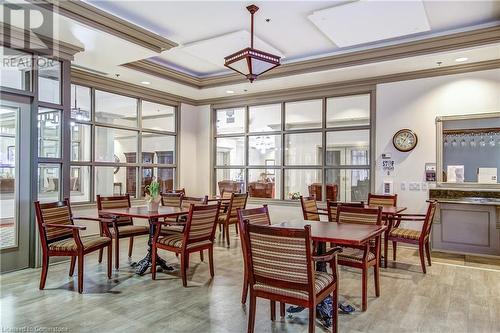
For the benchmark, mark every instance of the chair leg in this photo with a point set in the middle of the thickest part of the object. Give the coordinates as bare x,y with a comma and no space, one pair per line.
184,269
80,273
45,268
245,288
386,249
236,228
153,261
312,319
364,289
282,309
428,252
117,253
227,235
211,261
72,266
335,309
422,257
110,259
251,315
273,310
201,255
394,250
376,276
100,256
130,246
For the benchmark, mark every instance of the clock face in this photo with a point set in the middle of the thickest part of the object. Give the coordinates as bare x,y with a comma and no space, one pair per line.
404,140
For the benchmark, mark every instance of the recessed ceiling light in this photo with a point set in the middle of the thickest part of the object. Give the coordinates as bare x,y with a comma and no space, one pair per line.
462,59
230,91
145,82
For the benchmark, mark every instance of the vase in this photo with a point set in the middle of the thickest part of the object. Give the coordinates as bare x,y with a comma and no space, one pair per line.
153,206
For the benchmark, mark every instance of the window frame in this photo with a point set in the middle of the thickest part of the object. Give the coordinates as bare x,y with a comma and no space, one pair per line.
283,131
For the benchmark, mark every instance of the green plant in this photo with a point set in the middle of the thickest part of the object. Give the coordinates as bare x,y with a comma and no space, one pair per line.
154,189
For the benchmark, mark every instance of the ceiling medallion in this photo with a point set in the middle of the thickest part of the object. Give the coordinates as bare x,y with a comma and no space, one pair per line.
249,61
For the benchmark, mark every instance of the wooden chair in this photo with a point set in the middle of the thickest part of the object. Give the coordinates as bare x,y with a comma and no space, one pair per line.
230,186
59,236
366,256
410,236
288,276
310,210
331,207
384,200
171,199
238,201
122,227
179,190
198,235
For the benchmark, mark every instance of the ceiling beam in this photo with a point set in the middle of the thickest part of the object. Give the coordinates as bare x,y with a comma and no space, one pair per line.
430,45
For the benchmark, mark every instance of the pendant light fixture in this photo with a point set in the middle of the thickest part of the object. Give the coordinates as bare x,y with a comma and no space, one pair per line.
249,61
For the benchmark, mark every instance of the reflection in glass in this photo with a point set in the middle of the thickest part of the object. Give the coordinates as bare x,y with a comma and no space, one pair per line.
230,121
302,182
348,147
80,142
115,109
161,148
230,151
80,184
80,103
49,133
49,80
115,180
264,118
348,111
264,150
303,114
114,145
158,116
264,183
49,181
230,180
353,184
303,149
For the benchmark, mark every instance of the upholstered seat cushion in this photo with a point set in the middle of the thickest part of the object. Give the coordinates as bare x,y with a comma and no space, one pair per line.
322,281
405,233
175,240
70,245
356,255
131,230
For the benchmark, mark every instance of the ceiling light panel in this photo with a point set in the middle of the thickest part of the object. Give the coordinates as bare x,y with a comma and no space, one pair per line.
215,49
369,21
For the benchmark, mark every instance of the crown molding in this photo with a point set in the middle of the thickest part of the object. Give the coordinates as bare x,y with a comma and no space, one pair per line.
85,78
15,38
106,22
443,43
346,87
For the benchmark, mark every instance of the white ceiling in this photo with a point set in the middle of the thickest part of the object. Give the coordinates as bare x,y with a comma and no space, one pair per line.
289,29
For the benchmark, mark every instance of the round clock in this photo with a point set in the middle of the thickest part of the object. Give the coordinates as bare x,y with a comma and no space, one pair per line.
404,140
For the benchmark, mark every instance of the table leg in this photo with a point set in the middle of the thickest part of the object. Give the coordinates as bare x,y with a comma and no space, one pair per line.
143,264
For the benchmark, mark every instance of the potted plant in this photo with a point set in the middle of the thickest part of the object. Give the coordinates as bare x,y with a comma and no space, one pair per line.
153,198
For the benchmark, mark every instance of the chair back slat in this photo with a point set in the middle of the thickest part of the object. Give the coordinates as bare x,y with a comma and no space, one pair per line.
238,201
280,256
54,213
187,201
309,208
359,215
258,216
332,208
111,202
382,200
201,223
429,218
177,191
171,199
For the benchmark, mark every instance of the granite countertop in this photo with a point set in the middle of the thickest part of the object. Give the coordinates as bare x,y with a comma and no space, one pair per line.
471,201
470,197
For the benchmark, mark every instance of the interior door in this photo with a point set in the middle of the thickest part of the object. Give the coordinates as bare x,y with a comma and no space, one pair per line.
15,194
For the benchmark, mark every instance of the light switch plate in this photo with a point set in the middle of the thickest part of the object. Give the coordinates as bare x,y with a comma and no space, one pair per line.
425,186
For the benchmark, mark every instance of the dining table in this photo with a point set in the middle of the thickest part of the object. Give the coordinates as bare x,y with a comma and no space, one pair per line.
152,217
343,234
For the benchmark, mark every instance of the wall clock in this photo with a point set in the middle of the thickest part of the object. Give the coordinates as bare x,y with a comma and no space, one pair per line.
405,140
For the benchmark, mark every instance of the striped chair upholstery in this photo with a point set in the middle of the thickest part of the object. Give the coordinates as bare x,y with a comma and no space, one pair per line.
176,240
69,244
115,202
226,194
187,201
258,216
382,200
405,233
201,226
238,201
355,255
332,208
57,215
171,199
358,216
309,208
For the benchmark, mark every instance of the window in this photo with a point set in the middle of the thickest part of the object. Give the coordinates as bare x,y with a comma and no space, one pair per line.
124,148
317,147
49,80
15,69
49,133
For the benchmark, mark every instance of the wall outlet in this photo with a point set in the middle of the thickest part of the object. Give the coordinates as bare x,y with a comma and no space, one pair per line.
425,186
414,186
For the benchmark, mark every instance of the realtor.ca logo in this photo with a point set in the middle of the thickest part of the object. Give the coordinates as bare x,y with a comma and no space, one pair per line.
26,27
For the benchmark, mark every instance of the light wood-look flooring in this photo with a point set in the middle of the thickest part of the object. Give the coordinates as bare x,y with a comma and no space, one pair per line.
458,294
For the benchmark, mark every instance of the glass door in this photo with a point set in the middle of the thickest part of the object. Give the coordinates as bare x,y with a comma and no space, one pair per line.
15,205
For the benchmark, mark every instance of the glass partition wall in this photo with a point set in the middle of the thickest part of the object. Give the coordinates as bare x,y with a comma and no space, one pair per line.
307,147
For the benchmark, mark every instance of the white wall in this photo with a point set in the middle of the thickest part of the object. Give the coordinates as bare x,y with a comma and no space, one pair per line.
415,104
